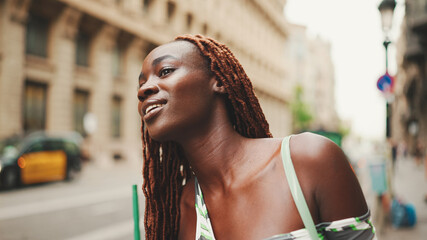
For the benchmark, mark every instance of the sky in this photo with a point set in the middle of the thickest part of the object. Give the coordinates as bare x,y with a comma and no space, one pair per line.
354,30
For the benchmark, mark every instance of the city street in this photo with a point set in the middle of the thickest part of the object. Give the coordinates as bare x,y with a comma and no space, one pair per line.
95,205
410,186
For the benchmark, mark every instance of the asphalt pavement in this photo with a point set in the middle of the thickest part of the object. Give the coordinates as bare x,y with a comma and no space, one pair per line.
95,205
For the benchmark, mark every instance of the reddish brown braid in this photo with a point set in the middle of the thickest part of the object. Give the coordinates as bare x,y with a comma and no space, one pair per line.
165,167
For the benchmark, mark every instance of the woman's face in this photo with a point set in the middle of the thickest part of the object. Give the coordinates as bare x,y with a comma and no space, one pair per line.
175,91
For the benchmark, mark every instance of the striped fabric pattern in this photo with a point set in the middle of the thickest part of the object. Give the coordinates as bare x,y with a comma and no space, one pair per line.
204,229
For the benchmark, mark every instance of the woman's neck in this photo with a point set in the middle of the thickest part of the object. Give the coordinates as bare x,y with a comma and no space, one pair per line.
216,157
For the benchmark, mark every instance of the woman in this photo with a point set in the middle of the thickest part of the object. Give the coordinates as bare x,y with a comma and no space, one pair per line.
211,167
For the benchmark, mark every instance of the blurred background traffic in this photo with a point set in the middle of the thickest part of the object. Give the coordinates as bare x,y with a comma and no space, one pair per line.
70,145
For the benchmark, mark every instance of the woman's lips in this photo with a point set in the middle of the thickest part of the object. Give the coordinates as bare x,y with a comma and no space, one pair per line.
152,110
152,107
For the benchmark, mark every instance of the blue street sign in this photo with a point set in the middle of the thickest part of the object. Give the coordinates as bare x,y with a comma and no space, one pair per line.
385,83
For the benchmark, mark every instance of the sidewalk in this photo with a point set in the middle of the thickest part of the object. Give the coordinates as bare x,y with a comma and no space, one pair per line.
410,186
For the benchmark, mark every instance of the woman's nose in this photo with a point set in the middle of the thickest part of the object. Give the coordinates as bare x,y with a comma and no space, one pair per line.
146,90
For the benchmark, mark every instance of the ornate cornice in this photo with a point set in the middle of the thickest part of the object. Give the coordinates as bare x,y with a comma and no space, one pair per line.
19,10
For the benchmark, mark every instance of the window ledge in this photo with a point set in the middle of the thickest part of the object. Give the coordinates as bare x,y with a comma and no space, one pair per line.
39,62
38,68
82,70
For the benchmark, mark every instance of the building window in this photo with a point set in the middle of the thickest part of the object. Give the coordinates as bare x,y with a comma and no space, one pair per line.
36,36
147,5
117,61
116,117
81,103
82,49
170,10
204,29
34,109
189,19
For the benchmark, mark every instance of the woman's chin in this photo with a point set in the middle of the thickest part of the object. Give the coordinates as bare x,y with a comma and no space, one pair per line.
158,137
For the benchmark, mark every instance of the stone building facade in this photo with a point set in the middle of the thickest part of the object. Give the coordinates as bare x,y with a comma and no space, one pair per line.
62,60
310,66
409,108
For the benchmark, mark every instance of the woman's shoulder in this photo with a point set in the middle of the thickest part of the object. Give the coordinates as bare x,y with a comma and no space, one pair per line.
317,158
317,151
308,151
323,167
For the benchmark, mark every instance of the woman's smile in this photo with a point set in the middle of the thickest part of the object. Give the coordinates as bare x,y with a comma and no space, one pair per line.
152,111
151,107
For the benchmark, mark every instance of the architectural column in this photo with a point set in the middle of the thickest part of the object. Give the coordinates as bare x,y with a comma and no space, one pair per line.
101,96
60,108
13,16
132,6
158,12
133,57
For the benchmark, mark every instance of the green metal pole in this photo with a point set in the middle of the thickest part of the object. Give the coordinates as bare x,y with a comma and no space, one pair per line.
386,43
135,213
387,105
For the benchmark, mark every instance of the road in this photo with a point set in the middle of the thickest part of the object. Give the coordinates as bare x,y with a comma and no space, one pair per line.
95,205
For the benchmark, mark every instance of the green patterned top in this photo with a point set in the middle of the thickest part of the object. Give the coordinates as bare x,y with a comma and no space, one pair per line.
349,228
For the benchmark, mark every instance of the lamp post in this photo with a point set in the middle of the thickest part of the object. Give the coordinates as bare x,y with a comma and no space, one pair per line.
386,9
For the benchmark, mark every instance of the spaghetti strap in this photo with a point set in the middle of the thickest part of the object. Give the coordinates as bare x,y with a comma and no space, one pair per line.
295,188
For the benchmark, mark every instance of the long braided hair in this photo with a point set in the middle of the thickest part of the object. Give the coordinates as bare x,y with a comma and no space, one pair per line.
166,170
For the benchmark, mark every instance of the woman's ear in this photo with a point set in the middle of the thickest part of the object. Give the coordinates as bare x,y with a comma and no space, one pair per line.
218,87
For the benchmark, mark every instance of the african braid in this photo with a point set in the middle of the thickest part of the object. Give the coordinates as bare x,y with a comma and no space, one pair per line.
165,167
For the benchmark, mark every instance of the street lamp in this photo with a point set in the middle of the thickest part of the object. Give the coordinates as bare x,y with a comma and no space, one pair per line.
386,9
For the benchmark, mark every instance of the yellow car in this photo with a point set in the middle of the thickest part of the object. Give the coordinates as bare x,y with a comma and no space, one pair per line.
38,158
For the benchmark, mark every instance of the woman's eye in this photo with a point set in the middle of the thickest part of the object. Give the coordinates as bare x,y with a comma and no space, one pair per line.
165,71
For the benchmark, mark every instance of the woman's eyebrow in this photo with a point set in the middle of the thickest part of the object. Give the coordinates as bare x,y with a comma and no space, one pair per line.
161,58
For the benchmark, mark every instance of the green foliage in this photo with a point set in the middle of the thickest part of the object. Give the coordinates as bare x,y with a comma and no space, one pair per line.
301,113
344,130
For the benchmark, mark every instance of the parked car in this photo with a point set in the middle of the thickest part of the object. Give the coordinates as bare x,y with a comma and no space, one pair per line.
39,157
